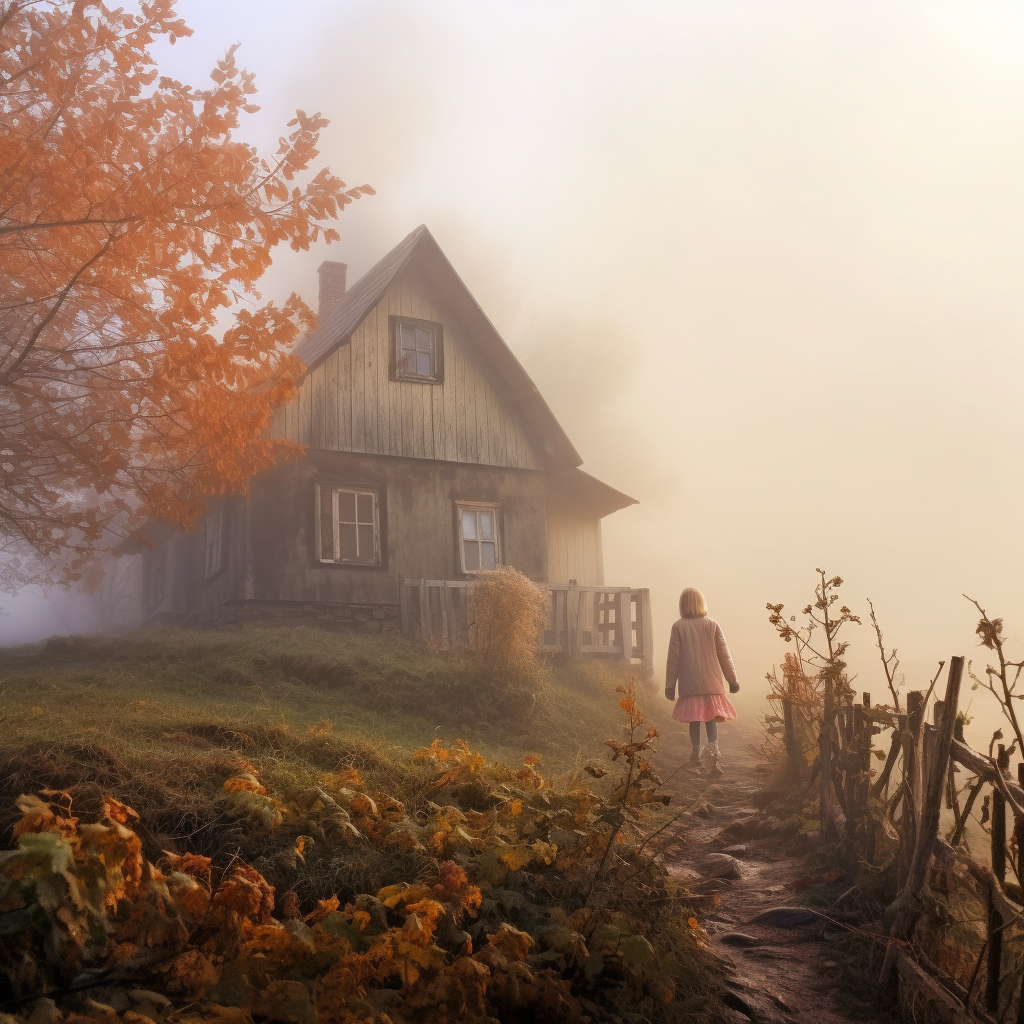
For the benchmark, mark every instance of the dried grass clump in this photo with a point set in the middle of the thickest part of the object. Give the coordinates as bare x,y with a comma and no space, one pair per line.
509,610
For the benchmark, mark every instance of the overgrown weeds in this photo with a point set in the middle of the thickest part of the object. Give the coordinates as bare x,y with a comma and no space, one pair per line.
347,885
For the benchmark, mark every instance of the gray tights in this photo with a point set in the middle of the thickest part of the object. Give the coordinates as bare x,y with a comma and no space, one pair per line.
710,727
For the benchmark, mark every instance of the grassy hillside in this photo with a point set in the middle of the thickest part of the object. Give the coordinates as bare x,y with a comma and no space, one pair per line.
158,718
274,748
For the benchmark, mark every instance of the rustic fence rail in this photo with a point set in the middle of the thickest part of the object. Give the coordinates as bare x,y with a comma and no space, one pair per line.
907,797
613,622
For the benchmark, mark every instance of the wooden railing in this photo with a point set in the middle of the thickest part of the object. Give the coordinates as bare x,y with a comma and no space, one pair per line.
610,621
926,755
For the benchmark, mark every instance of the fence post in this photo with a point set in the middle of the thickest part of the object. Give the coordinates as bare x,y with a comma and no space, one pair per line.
451,626
928,825
425,628
855,730
403,606
867,732
882,782
828,721
911,793
647,626
624,613
1019,829
792,754
995,919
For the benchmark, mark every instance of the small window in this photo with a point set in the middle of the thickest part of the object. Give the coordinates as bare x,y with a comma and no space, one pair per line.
348,523
214,542
157,572
478,537
417,349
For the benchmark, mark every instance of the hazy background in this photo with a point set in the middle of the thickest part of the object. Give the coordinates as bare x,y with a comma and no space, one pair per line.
764,260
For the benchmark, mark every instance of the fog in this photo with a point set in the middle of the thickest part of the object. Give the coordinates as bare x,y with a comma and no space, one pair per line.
763,260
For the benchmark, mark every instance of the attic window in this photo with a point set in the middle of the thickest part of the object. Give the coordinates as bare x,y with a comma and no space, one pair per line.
417,350
348,522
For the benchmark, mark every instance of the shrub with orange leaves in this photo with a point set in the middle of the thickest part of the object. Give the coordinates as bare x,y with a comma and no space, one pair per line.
496,923
132,218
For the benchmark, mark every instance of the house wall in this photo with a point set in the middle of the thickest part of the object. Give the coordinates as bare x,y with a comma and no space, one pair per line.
574,548
186,588
417,520
349,403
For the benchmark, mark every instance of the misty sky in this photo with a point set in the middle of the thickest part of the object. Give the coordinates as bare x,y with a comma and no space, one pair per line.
764,260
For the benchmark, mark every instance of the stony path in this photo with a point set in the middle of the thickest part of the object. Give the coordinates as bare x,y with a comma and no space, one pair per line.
775,974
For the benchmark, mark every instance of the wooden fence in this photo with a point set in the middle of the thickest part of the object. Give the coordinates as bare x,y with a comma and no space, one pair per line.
614,622
909,802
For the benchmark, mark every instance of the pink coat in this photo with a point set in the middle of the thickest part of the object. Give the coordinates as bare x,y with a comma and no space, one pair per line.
699,661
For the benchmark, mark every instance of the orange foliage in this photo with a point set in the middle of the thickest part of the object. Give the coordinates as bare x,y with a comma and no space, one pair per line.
131,218
82,894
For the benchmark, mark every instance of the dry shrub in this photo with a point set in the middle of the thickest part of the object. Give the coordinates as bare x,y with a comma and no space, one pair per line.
509,610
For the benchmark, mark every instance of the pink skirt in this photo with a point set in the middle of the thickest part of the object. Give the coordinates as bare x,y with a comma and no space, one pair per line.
704,707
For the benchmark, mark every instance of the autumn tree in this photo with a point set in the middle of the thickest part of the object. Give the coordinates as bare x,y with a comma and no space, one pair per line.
138,367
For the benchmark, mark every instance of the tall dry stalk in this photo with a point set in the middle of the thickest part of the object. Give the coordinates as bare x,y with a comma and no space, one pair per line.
820,652
509,611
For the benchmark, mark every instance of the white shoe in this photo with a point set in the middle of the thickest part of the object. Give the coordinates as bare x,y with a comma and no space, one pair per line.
696,753
714,755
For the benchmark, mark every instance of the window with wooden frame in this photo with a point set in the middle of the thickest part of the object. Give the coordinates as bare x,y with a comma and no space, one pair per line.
214,542
417,350
348,525
478,536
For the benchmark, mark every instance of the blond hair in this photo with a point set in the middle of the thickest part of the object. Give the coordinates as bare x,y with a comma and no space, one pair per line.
692,604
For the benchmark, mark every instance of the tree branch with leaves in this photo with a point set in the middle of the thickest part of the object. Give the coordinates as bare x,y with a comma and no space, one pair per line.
132,222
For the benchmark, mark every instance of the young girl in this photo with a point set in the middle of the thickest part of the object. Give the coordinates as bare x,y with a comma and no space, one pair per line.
700,664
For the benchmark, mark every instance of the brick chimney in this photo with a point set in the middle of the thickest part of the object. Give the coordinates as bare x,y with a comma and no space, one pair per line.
332,286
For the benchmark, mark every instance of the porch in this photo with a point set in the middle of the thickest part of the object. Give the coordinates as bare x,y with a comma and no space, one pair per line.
612,622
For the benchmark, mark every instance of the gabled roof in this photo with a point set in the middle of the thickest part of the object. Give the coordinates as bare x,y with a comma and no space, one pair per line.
420,250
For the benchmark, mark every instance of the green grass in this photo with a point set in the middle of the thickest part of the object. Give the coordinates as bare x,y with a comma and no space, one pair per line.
160,718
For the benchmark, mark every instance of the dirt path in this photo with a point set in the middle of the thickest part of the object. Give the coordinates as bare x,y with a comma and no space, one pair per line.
775,974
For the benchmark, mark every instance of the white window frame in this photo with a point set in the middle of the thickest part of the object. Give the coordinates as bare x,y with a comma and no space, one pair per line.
478,507
434,330
214,547
336,522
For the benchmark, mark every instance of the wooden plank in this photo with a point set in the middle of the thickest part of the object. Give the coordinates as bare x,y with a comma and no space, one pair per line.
648,627
357,347
928,825
926,988
457,365
332,401
572,622
997,859
403,607
390,434
344,378
451,623
424,609
445,638
624,614
581,620
316,411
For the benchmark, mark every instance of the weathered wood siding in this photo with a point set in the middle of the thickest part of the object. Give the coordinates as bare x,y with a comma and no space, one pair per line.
574,548
186,588
349,403
416,501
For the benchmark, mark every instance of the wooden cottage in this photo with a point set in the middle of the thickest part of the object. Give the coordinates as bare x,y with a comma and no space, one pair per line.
430,455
